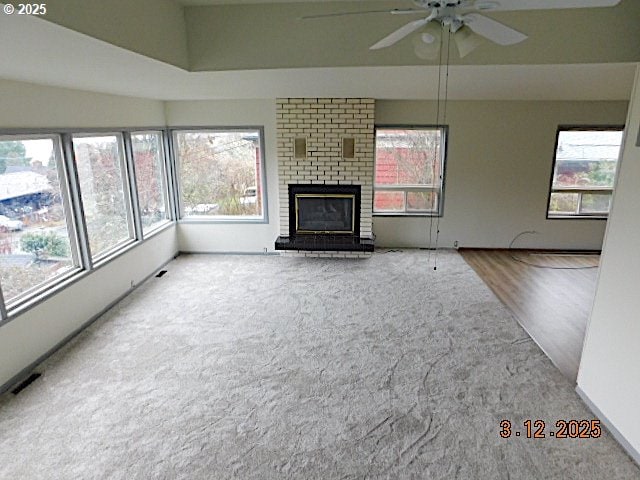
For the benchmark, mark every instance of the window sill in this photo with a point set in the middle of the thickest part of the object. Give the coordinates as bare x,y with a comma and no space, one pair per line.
221,220
42,293
577,217
115,252
412,215
50,289
156,229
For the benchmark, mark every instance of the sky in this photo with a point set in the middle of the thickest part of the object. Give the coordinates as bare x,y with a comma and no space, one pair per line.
39,149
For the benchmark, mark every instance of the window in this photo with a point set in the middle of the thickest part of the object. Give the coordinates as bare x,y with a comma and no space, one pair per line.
67,200
100,165
409,171
148,159
584,172
221,173
36,246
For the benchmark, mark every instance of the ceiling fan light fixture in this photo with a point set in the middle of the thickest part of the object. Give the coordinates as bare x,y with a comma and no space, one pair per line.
427,38
467,41
426,50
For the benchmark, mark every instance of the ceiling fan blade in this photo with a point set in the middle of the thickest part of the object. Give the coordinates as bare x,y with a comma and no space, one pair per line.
467,41
504,5
493,30
406,11
399,34
395,11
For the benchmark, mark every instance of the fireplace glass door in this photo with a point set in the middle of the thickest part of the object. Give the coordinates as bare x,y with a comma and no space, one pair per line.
325,213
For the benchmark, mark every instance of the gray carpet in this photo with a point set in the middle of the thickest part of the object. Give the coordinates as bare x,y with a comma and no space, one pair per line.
260,367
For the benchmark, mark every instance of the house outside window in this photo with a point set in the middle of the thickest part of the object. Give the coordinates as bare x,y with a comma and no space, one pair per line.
584,171
409,171
37,244
221,174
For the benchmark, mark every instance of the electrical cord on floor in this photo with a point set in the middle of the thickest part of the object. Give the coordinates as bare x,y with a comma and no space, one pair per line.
519,260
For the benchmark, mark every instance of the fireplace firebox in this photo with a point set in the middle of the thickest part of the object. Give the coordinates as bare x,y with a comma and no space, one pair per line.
324,210
324,217
324,213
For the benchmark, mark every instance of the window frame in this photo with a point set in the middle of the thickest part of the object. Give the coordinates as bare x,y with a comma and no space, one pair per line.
580,191
7,306
212,219
439,190
129,192
72,202
164,173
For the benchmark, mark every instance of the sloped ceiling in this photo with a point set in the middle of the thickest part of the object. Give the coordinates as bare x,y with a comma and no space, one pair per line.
155,28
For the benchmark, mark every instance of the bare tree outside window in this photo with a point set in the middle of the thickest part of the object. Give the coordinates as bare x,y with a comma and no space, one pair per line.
34,237
219,173
99,160
148,160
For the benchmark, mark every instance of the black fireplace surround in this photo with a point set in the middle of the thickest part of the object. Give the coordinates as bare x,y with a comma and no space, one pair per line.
324,217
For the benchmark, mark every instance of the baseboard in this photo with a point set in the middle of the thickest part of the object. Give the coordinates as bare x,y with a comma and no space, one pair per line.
631,451
231,252
534,250
25,372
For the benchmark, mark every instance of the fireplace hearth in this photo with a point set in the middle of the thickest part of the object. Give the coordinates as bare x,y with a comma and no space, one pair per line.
324,218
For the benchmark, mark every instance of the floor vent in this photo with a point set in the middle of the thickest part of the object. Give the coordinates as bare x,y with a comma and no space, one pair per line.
161,273
25,383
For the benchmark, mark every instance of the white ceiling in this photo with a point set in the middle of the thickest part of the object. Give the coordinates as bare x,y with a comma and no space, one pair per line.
46,53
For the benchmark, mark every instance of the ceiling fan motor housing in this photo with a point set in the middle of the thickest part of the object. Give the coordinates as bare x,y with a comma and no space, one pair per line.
438,4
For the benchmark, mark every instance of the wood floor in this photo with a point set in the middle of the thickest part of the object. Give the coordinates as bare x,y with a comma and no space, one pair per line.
551,304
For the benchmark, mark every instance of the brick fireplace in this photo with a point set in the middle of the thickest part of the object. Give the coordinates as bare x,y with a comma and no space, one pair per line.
326,144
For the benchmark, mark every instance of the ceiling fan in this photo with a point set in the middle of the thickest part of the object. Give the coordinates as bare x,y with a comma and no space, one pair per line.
467,26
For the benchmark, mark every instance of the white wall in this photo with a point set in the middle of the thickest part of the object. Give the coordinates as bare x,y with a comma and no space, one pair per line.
232,237
34,333
499,162
25,105
609,374
30,335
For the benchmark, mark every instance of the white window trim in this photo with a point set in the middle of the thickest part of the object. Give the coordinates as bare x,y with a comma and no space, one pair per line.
83,264
438,189
128,189
223,219
579,190
164,177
